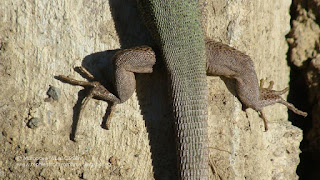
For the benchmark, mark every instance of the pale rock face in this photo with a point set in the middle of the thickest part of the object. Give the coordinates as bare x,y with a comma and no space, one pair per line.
43,39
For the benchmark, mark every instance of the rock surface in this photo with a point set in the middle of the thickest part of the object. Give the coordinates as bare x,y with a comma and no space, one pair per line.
41,39
304,40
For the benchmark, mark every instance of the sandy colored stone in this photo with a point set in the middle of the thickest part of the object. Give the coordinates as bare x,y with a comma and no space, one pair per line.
305,37
41,39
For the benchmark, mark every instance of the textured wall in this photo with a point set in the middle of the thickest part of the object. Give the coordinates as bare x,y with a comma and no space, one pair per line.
41,39
304,53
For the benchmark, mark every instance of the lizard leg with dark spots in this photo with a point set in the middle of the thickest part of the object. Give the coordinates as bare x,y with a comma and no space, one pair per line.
226,61
269,96
126,63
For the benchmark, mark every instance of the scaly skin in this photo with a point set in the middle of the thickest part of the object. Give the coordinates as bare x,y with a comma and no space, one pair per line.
176,28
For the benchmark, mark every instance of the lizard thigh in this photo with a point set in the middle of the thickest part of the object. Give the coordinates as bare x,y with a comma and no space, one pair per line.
127,62
125,84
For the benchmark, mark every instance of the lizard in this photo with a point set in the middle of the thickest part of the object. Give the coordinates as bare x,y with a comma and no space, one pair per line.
188,57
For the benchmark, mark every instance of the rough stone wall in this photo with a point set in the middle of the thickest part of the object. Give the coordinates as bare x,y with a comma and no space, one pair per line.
41,39
304,53
239,143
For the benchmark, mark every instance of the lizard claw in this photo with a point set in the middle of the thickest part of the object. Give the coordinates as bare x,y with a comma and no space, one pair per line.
270,87
264,120
271,83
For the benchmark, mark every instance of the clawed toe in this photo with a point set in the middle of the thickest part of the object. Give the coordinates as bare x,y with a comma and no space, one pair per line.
293,109
264,120
282,91
74,81
85,72
270,87
96,90
269,90
269,97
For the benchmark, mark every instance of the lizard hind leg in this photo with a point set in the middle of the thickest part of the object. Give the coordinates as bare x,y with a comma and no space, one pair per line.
126,63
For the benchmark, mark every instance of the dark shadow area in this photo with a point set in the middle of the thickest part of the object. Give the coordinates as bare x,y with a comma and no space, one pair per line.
76,110
230,84
312,5
152,91
299,96
99,65
76,114
308,169
83,97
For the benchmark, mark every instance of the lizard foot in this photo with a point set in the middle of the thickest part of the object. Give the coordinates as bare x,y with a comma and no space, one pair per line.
269,96
96,90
